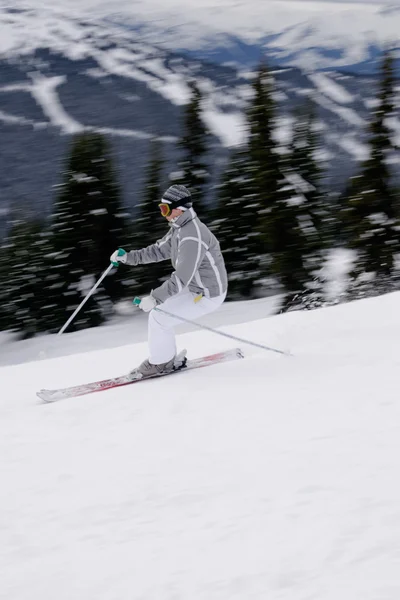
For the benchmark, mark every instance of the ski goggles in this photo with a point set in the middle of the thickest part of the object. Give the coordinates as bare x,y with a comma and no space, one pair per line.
165,209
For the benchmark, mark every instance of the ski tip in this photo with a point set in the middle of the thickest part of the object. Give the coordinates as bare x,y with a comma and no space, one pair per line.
45,396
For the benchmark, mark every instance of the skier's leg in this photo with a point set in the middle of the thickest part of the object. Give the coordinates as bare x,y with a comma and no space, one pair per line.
162,342
161,338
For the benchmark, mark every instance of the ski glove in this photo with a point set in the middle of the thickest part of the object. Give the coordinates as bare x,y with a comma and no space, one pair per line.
148,303
118,256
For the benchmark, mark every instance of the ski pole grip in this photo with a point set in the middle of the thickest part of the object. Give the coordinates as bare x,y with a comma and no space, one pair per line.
121,252
136,301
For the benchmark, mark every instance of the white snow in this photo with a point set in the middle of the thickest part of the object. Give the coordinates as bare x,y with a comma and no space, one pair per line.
44,91
135,133
96,73
352,146
300,184
393,160
296,200
14,120
323,155
122,331
394,124
347,114
173,86
300,27
229,127
371,103
335,272
265,478
283,132
331,88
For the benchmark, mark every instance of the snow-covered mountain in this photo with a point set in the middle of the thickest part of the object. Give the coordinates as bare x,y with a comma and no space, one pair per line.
270,477
308,34
124,70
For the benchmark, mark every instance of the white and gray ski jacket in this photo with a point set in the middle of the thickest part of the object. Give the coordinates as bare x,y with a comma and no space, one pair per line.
195,255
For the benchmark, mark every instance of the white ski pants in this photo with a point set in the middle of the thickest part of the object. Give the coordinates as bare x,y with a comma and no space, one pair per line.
162,344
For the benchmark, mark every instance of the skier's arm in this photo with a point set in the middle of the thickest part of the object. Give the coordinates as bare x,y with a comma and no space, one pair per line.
191,252
157,252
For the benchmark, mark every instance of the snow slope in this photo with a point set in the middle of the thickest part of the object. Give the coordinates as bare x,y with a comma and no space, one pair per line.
266,478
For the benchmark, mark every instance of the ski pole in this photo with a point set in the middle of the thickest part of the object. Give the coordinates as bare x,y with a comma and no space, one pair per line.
72,317
137,301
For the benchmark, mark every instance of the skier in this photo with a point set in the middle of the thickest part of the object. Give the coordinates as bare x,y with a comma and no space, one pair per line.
197,286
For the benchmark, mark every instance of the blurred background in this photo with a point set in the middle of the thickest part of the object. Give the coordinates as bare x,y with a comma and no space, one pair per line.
282,117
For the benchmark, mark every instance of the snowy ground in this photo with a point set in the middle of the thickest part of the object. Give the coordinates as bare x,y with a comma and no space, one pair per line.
130,327
267,478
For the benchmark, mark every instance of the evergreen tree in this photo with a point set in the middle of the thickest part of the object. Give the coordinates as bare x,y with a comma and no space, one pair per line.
88,224
263,167
278,193
236,226
303,162
294,242
5,289
370,214
304,217
263,159
193,168
150,226
284,193
24,291
248,194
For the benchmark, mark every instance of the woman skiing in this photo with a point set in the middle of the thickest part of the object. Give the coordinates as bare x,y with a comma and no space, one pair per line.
197,286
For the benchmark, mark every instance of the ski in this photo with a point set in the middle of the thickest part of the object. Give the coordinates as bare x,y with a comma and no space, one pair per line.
107,384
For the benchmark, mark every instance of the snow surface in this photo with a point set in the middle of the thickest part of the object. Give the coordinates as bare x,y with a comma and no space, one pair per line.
352,146
130,326
394,124
344,112
265,478
231,128
44,91
331,88
7,118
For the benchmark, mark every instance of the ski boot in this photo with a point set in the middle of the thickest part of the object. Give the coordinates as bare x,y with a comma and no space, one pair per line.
147,369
